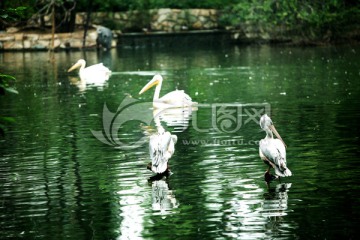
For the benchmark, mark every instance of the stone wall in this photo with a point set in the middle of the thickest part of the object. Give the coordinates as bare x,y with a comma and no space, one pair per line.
166,20
156,20
41,41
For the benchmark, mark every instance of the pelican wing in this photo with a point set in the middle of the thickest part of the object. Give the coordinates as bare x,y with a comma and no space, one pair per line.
273,150
177,98
95,74
171,147
159,147
98,68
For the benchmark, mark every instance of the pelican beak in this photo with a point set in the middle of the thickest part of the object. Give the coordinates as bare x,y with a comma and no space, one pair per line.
273,129
149,85
76,65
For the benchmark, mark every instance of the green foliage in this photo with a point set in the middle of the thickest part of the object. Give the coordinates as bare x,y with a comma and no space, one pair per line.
6,88
14,14
310,17
110,5
4,84
217,4
11,14
125,5
313,18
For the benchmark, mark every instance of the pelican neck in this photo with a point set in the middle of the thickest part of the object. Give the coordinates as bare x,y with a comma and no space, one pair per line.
157,91
269,133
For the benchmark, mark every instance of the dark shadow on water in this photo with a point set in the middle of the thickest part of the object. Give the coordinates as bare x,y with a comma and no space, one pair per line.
159,176
163,197
277,191
275,208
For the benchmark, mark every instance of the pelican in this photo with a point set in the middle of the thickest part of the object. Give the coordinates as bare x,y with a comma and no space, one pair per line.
272,151
161,147
175,117
94,74
175,99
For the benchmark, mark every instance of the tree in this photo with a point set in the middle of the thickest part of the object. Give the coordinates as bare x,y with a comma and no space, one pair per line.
62,13
13,14
310,19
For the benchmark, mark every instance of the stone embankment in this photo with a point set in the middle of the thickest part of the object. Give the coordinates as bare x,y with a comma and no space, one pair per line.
43,41
159,20
152,21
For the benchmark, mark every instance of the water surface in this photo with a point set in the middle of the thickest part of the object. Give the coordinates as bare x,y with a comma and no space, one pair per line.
57,180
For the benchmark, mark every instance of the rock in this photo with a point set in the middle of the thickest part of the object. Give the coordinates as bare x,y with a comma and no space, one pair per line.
197,25
164,11
12,30
204,12
31,37
162,18
27,44
38,47
6,38
46,36
13,45
57,43
117,16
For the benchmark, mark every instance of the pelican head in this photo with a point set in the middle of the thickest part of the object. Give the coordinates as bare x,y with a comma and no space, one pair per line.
267,125
79,64
155,81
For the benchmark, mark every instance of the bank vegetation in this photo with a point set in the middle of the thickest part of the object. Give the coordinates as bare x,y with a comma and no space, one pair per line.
304,20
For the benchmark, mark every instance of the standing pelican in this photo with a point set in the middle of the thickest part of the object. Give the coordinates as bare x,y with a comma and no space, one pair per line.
94,74
161,147
177,98
272,151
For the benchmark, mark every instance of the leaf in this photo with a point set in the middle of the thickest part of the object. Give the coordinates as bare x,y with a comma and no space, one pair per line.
7,77
7,119
11,90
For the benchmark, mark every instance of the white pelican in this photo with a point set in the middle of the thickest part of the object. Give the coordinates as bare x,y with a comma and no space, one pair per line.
272,151
161,148
175,117
175,99
95,74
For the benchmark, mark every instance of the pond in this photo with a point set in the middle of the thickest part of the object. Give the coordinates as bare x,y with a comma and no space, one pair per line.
73,164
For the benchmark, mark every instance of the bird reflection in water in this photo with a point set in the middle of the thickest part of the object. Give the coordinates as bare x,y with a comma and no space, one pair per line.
80,84
83,86
275,205
163,198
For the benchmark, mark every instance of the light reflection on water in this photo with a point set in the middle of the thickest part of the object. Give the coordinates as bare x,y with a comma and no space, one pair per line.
58,180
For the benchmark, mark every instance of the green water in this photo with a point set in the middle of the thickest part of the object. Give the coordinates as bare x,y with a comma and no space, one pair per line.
58,181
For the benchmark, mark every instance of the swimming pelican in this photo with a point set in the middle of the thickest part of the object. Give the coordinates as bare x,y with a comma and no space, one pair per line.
272,151
161,147
94,74
177,98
